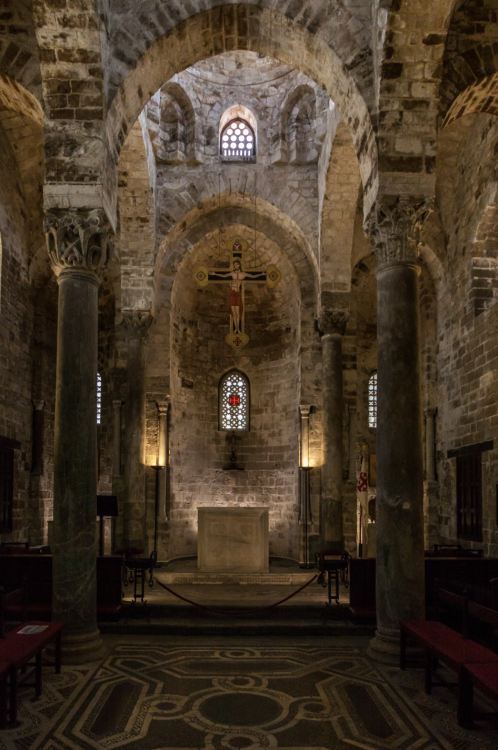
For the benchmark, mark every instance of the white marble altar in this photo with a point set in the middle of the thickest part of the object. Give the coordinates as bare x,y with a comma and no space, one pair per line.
233,540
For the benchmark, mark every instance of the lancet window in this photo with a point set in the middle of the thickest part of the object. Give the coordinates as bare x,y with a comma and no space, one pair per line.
99,398
372,400
237,142
234,398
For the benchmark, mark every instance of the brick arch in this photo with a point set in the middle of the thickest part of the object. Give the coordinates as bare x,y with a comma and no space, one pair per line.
239,27
480,96
178,203
471,52
234,210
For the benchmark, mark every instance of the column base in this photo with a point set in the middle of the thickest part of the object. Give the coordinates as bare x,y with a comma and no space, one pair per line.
82,648
384,648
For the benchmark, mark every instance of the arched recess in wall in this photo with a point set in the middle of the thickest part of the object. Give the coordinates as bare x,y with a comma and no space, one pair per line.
289,42
195,326
298,143
175,141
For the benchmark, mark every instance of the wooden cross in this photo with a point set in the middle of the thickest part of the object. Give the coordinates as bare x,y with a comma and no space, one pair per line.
237,277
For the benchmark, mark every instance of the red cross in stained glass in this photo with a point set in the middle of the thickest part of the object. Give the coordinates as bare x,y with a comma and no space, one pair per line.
234,400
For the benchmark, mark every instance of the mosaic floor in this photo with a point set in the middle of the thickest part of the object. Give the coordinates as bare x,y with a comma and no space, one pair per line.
240,694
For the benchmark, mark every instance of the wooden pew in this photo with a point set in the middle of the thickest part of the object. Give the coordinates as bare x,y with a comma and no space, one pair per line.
475,571
23,644
456,650
38,571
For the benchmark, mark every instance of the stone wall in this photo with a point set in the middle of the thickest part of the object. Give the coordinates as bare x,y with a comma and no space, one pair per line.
467,351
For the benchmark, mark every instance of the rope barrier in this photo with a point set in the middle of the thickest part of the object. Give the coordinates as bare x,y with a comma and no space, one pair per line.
231,612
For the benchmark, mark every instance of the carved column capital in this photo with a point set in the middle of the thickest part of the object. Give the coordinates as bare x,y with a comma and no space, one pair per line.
77,241
305,410
394,226
163,406
38,405
430,411
135,323
332,321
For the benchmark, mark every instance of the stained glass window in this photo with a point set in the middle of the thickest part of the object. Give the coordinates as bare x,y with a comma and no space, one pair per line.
237,141
372,400
234,402
99,397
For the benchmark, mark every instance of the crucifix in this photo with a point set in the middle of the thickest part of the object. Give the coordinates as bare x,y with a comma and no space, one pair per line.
237,278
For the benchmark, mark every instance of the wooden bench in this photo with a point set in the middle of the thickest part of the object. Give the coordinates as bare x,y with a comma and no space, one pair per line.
454,649
482,676
20,647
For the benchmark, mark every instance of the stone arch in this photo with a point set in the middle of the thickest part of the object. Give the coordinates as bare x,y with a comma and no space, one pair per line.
222,210
21,118
471,53
235,186
480,96
239,27
19,57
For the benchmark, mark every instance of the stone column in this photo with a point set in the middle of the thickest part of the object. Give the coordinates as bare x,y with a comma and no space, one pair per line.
332,324
37,438
162,457
352,444
77,247
399,508
116,446
136,324
305,434
430,466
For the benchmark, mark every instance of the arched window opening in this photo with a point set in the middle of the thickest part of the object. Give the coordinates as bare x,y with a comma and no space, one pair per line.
238,142
372,400
234,399
99,398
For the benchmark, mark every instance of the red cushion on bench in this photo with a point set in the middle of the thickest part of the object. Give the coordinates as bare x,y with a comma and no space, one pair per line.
18,648
485,676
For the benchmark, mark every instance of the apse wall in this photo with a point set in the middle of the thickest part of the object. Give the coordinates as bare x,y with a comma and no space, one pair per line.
199,357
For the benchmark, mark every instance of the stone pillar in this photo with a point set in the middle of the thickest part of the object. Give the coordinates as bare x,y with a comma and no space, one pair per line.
136,324
430,466
305,435
352,444
37,438
162,458
77,247
116,445
332,324
399,508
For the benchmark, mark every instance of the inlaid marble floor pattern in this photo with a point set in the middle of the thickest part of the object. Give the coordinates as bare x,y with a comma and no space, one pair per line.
163,693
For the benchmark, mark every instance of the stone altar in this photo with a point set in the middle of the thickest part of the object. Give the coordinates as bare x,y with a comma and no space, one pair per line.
233,540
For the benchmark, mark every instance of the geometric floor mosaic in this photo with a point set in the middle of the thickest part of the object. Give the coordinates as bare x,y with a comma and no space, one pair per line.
232,697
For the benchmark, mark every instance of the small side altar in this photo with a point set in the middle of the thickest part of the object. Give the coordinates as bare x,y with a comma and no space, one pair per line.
233,540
